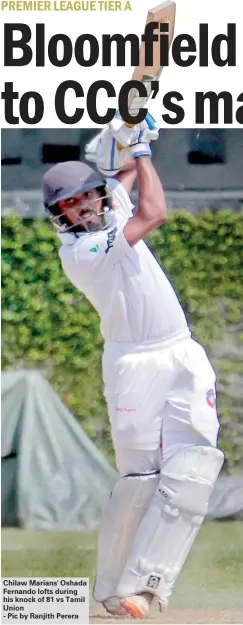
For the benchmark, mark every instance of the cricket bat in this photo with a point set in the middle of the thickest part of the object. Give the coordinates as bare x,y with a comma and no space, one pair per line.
164,12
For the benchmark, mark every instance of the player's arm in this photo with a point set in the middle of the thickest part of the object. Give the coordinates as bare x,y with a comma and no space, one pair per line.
151,211
127,175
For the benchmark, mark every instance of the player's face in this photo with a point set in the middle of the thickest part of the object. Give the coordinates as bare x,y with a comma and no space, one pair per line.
84,208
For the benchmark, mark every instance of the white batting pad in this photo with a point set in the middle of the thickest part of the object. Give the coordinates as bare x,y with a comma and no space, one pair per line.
128,503
171,524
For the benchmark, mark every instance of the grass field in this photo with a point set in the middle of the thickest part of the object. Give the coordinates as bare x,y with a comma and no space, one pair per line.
210,584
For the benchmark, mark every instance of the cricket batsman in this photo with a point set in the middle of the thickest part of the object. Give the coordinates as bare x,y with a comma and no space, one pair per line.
159,384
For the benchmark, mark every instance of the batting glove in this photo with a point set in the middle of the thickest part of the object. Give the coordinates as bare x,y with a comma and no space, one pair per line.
127,135
105,153
149,131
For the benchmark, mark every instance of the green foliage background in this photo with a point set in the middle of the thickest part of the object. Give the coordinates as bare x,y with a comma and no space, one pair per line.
47,324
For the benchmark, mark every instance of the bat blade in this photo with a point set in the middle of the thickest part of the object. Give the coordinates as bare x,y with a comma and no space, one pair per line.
164,12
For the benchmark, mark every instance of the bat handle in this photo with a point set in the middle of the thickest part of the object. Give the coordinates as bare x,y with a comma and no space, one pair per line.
119,145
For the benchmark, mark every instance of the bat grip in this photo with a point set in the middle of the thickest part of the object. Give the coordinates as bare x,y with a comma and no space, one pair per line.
119,145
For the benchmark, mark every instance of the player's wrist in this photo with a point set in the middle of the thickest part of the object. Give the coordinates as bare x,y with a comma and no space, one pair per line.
140,149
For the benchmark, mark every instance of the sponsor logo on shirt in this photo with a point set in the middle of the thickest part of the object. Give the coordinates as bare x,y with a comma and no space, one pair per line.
211,398
110,239
126,409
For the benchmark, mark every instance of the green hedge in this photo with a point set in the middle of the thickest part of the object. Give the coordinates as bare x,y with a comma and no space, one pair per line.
47,324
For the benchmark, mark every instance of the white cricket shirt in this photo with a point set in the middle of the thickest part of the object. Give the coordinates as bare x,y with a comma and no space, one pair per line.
126,285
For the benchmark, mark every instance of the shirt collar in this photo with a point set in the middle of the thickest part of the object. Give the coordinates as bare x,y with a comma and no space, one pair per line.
68,238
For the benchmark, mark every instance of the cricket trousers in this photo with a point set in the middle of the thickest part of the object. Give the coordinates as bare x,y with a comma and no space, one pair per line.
161,397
